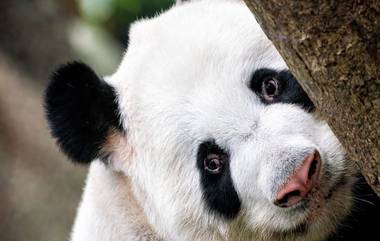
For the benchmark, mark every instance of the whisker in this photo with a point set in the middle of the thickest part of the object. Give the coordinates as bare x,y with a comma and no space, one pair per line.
364,200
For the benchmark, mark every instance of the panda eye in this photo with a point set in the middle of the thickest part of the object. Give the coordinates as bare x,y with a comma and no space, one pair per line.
268,84
214,163
270,88
212,159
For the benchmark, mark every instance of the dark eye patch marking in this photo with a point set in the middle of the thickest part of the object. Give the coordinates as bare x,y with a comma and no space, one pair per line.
289,90
218,190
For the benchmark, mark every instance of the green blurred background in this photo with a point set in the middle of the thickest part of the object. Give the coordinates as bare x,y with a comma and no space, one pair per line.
39,188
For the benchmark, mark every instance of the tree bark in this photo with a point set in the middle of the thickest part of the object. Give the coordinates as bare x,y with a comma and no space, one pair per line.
333,49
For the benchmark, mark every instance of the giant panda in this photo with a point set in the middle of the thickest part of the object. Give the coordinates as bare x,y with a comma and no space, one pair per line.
202,133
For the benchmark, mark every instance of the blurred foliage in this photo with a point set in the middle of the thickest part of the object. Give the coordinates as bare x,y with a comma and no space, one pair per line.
116,15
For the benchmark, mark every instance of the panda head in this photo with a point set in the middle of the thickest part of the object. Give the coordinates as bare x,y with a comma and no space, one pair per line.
214,132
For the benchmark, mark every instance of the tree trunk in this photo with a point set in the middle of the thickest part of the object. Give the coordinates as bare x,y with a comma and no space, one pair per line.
333,48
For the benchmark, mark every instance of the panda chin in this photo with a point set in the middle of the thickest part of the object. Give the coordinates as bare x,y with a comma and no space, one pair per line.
298,230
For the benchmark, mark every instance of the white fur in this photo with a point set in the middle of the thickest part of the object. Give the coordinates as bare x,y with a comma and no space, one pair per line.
184,78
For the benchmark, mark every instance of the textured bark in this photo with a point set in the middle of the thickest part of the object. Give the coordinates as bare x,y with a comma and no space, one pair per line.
333,49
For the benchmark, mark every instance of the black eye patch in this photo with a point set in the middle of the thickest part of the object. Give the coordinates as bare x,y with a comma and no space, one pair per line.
279,87
218,189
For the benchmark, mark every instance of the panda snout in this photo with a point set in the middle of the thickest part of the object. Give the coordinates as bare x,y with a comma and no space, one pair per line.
300,183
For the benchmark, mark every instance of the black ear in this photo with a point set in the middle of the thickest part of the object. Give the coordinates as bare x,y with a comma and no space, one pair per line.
81,110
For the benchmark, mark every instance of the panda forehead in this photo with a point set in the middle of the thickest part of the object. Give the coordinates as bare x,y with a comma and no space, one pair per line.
214,46
215,37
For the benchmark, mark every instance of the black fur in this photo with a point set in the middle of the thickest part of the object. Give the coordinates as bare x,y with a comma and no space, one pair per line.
218,190
362,223
290,91
81,109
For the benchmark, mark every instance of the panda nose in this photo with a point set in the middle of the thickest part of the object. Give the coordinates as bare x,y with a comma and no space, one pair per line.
300,183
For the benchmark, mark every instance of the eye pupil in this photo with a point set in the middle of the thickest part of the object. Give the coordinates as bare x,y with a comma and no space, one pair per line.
270,88
214,163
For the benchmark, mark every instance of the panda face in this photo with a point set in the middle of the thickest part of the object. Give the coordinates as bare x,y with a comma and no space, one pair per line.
222,140
220,126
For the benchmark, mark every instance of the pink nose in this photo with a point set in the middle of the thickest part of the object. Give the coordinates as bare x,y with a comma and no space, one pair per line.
300,183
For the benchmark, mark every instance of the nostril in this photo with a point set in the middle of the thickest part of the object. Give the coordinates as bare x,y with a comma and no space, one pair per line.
285,199
314,165
313,168
294,193
289,199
